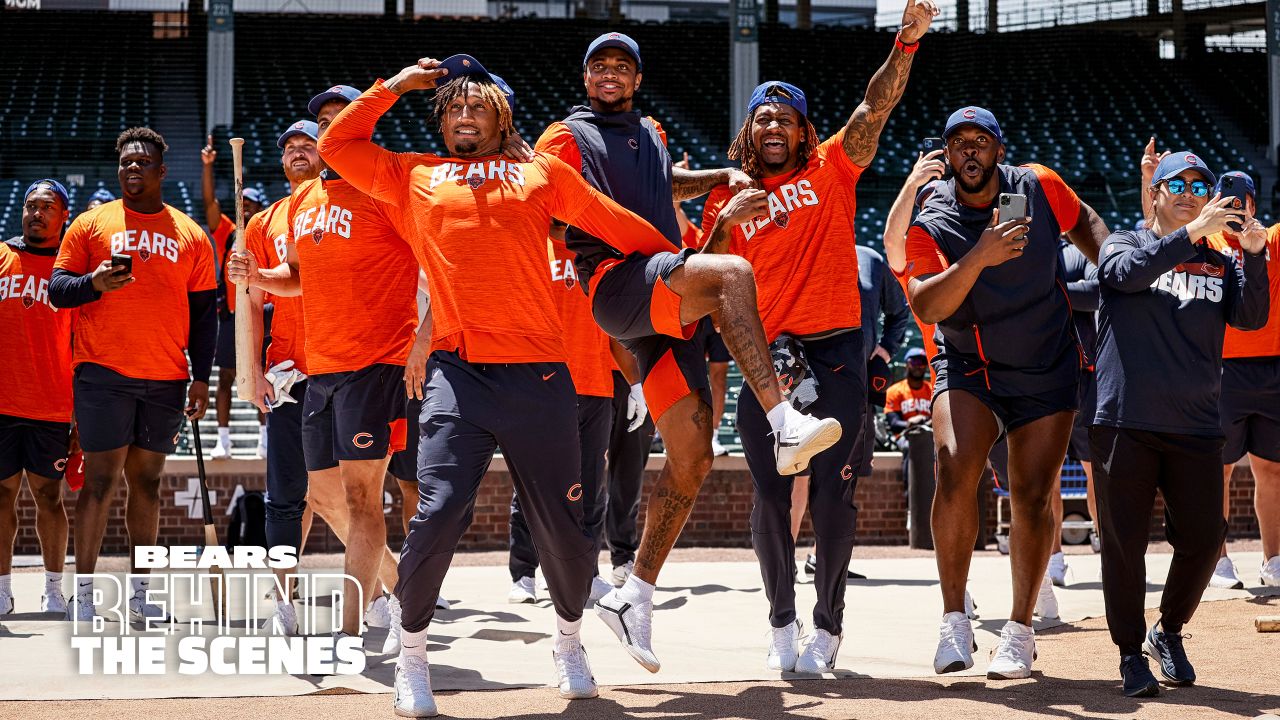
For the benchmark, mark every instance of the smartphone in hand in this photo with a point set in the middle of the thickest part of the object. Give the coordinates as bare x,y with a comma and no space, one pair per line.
122,261
1013,206
1233,188
930,144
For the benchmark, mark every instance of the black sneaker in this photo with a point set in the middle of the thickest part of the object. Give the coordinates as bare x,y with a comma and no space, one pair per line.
1137,677
811,568
1166,649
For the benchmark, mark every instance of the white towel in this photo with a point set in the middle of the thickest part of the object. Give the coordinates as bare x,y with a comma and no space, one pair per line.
282,377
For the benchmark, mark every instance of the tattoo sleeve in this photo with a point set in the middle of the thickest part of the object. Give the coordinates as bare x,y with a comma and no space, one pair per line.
862,133
689,184
717,241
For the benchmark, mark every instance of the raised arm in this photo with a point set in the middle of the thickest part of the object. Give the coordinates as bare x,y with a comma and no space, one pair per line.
1150,160
862,132
927,169
1250,305
209,186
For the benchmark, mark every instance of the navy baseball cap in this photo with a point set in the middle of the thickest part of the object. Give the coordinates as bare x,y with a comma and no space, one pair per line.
256,195
614,40
301,127
345,93
102,194
1240,176
51,184
915,353
776,91
976,116
924,192
1176,162
463,65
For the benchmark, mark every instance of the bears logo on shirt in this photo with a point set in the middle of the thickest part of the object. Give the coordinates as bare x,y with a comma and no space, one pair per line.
317,235
28,301
475,181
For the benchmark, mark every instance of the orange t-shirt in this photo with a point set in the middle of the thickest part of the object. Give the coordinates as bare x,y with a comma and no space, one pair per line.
589,358
804,255
266,238
141,330
901,398
1264,342
479,228
36,380
221,234
359,278
692,237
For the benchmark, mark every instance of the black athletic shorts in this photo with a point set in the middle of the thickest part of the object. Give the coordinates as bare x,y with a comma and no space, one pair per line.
1088,394
1250,408
356,415
717,351
224,354
1011,411
37,446
115,411
404,464
633,304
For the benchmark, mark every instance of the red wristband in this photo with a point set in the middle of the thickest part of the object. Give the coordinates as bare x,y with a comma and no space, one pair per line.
904,47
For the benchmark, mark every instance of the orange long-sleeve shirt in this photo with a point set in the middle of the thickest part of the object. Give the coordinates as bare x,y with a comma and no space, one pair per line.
478,227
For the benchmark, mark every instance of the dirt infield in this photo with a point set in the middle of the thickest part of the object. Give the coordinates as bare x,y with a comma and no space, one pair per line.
1236,665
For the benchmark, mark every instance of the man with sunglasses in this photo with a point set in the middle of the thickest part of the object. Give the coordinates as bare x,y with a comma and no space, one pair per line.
1167,297
1009,364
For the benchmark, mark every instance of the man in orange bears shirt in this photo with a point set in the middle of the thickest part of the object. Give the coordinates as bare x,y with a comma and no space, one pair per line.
35,389
141,273
496,374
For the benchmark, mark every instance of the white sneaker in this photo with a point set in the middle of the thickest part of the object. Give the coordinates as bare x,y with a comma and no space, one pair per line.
970,607
82,608
1046,601
377,615
573,673
1013,656
622,572
220,452
799,440
1057,571
52,601
819,655
142,611
522,592
391,646
441,603
599,588
1095,542
1224,576
784,647
413,697
1269,575
6,602
717,449
955,644
284,620
633,624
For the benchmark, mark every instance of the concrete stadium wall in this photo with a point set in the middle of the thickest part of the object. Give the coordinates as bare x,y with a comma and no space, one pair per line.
721,516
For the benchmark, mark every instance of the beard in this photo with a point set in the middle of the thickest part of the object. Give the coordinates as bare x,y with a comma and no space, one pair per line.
987,172
915,374
297,176
614,106
466,147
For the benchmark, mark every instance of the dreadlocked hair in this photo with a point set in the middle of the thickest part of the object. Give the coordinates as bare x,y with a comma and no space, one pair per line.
457,87
141,134
743,150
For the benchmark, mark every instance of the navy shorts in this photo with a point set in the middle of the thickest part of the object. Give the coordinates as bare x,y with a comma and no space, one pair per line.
356,415
115,411
717,351
224,354
1250,408
1088,394
634,306
1011,411
37,446
404,464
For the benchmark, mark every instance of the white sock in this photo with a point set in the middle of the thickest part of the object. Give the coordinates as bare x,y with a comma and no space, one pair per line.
567,632
53,580
413,643
84,587
778,415
5,584
139,584
224,436
635,591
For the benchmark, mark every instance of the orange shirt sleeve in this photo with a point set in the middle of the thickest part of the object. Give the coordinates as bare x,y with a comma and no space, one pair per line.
577,203
202,273
893,399
832,150
662,133
1063,200
347,147
719,196
73,256
923,255
692,237
557,141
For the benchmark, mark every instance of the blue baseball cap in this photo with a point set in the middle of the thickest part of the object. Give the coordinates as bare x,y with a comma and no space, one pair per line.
256,195
102,194
776,91
463,65
915,353
301,127
614,40
50,184
345,93
1241,176
976,116
1176,162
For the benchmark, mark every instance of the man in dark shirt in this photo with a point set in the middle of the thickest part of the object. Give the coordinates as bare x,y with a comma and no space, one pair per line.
1166,300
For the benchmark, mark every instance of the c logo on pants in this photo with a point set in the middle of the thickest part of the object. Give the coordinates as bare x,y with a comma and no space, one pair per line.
60,465
362,440
575,492
846,472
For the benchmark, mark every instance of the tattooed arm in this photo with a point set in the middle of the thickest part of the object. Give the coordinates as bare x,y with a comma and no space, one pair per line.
689,184
862,133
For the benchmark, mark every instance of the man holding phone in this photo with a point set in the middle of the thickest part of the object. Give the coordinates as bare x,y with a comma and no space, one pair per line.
982,258
131,390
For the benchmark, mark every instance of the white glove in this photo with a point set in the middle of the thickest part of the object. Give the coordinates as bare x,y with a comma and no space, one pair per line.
637,409
282,378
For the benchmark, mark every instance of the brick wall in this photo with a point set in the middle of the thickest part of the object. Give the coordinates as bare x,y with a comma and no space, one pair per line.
720,518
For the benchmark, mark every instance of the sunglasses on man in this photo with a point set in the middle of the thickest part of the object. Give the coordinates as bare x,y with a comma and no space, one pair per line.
1178,186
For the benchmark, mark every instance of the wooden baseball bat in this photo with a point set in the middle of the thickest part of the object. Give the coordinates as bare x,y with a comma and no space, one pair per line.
1267,623
245,350
210,530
